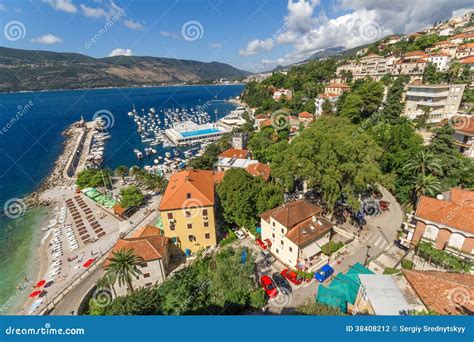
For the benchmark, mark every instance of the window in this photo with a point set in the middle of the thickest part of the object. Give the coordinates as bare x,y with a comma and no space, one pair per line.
281,241
190,226
273,224
282,231
146,275
191,238
204,212
143,264
188,195
207,236
170,216
174,239
206,224
291,249
148,284
188,214
273,235
278,252
172,227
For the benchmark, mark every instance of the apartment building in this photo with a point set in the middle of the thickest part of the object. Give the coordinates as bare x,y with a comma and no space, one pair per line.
465,50
446,222
440,59
154,251
187,210
336,88
464,135
443,100
234,158
295,233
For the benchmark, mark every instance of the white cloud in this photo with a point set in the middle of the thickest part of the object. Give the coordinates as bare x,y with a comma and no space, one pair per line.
48,39
121,52
62,5
3,8
93,12
307,29
134,25
170,34
257,46
216,45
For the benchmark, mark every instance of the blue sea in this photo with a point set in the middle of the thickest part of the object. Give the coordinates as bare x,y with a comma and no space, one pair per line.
31,124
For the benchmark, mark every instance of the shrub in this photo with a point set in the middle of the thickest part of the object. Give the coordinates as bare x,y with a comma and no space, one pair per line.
229,239
407,264
390,270
331,247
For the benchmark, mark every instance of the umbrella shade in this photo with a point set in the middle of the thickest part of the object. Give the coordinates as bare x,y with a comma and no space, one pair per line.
88,263
34,293
40,283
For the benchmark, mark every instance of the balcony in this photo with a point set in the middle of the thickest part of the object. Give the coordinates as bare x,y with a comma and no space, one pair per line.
428,93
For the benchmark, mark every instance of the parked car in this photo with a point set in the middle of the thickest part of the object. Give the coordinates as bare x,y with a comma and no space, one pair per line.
324,273
269,286
240,234
282,283
291,276
267,255
262,244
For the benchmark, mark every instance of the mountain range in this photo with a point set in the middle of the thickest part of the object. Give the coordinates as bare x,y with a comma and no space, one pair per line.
22,70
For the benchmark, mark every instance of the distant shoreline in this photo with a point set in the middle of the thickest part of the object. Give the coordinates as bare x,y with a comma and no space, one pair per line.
124,87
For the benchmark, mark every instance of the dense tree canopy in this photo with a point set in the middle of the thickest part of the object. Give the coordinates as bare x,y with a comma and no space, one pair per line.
130,196
93,178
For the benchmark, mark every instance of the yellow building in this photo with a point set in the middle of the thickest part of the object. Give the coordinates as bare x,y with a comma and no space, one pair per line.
187,210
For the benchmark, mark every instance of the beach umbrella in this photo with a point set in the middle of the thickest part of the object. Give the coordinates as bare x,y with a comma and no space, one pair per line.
40,283
88,263
34,293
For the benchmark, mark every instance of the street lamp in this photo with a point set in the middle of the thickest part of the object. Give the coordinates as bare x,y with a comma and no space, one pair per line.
367,256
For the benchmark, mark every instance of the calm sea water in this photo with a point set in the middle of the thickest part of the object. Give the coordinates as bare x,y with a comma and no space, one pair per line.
30,141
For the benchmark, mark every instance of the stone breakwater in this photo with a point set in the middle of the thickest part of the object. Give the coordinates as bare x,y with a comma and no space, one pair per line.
56,177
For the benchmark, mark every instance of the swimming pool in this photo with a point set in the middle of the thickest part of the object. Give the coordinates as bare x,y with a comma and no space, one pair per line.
199,132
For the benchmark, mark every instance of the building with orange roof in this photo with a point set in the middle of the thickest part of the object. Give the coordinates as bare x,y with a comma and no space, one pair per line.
415,55
447,222
153,249
234,158
295,233
319,101
465,50
187,210
469,61
259,170
305,118
336,88
219,177
461,38
464,134
443,292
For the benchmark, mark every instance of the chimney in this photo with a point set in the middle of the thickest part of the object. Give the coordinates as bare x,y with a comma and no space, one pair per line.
315,218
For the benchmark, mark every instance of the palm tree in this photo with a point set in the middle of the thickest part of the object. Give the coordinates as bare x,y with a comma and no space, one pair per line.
121,171
136,172
424,163
426,185
123,266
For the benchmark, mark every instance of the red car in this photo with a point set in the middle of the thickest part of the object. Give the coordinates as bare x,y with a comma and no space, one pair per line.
261,243
269,286
291,276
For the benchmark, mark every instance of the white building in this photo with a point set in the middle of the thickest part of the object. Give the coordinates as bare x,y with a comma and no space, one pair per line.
440,59
464,135
234,158
319,101
443,100
295,233
153,249
280,93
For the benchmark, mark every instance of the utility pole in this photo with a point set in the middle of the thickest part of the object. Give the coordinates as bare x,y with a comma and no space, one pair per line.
367,256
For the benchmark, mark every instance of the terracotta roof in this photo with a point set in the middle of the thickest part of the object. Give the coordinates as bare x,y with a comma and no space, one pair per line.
261,116
415,53
466,46
259,170
443,292
235,153
118,209
148,248
305,115
266,123
462,36
456,211
292,213
148,230
439,54
337,85
189,188
219,176
371,55
327,95
308,231
468,60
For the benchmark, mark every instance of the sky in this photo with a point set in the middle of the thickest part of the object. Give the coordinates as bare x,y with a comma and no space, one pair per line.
253,35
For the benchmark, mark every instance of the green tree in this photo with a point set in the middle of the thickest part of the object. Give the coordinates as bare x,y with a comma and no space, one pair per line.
425,163
121,171
352,108
123,267
131,196
93,178
394,106
431,74
327,107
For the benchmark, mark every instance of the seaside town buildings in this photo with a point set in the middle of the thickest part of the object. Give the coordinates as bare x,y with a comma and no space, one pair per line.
446,222
443,100
295,233
278,94
464,136
187,210
234,158
154,250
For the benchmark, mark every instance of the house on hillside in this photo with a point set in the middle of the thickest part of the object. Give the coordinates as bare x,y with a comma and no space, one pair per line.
234,158
464,136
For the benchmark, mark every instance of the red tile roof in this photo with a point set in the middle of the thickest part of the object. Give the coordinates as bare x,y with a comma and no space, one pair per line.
235,153
466,46
421,54
292,213
305,115
468,60
309,230
261,116
446,293
259,170
148,230
457,211
219,176
327,95
462,36
189,188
